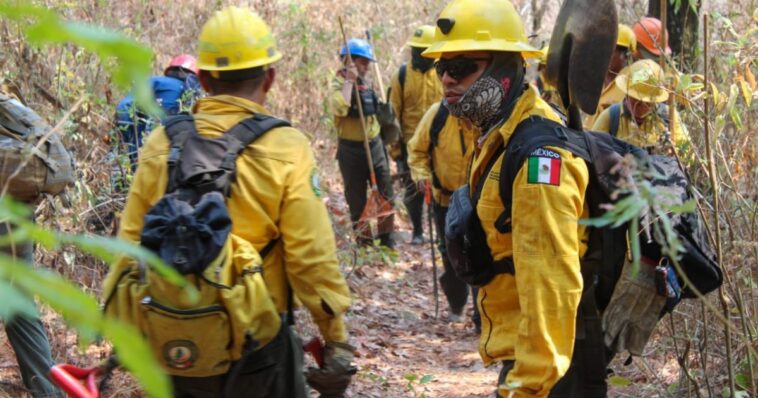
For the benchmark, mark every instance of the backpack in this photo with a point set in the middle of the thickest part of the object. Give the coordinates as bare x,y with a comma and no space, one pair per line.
438,123
34,160
173,94
615,115
602,153
369,102
190,229
401,76
606,255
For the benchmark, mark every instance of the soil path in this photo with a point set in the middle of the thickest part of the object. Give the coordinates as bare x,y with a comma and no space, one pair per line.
404,351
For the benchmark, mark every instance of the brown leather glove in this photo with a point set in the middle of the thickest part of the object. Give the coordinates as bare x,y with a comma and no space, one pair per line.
332,379
634,310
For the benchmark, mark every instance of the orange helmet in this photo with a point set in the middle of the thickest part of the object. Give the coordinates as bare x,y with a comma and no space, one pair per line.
184,61
648,32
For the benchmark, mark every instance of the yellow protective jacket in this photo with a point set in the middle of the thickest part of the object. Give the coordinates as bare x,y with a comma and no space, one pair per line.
275,196
411,101
611,94
530,317
348,128
649,134
451,156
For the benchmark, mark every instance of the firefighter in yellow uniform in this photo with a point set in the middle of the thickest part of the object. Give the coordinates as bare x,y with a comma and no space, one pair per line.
641,117
414,88
439,155
275,198
528,316
547,91
351,155
626,45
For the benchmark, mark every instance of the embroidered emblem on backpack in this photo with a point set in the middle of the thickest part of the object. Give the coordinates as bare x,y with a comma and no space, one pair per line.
180,354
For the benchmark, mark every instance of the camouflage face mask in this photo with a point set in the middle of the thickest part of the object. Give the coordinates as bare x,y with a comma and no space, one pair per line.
489,100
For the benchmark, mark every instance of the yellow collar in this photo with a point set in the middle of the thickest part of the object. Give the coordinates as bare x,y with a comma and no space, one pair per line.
228,104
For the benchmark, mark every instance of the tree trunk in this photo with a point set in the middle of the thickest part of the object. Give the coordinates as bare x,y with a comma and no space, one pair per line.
682,26
538,11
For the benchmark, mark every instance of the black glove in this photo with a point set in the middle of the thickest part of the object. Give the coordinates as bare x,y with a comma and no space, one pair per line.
390,129
332,380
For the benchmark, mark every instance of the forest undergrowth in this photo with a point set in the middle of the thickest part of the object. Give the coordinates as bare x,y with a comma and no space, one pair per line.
403,350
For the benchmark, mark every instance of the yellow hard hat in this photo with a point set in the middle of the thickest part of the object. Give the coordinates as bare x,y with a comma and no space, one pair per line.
626,38
643,81
422,37
480,25
234,39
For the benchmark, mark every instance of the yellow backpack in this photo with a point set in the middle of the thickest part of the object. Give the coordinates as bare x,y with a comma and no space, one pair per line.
190,229
234,314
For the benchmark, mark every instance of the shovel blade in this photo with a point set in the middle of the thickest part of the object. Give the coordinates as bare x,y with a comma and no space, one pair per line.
581,46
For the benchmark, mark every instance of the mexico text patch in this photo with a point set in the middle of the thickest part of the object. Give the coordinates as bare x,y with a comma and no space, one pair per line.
544,167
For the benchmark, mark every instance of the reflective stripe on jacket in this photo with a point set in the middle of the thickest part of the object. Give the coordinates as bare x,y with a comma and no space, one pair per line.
274,197
530,317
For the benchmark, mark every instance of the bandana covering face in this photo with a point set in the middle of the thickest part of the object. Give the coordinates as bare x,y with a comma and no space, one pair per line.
490,99
421,64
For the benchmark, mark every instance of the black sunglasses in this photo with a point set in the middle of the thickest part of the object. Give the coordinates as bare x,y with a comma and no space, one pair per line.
458,67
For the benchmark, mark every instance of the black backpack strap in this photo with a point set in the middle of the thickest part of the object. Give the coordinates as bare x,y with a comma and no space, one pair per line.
268,248
248,131
178,128
534,132
401,76
615,113
438,123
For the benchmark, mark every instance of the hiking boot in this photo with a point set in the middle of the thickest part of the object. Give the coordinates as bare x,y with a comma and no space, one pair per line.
455,316
387,241
417,240
363,241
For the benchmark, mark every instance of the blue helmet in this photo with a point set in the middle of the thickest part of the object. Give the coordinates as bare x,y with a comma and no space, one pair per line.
358,48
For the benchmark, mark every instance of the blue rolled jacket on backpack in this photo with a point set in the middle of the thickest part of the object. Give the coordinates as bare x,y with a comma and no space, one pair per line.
172,94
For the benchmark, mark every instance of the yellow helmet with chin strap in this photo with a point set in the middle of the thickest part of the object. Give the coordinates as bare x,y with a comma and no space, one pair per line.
235,39
626,38
480,25
644,81
422,37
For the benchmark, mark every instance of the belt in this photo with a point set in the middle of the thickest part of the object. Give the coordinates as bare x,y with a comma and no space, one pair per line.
357,144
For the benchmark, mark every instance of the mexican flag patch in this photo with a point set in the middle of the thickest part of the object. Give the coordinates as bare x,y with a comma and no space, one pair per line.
544,167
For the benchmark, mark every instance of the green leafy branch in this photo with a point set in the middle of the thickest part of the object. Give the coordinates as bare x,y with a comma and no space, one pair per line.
19,281
132,68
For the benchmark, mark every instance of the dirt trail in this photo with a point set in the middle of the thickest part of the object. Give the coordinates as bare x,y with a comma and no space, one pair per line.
405,352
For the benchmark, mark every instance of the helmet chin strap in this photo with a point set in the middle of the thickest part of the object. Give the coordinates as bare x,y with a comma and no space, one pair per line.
490,99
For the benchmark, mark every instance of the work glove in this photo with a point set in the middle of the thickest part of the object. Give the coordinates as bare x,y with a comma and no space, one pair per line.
389,128
633,311
332,379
